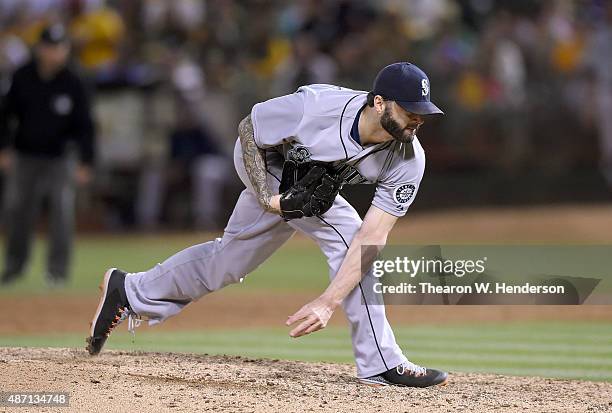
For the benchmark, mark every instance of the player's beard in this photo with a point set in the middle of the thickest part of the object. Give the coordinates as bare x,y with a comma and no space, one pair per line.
394,129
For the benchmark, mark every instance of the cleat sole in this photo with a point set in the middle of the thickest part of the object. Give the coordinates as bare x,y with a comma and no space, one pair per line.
104,288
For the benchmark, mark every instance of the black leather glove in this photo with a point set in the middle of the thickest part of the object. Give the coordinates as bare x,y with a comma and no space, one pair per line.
311,195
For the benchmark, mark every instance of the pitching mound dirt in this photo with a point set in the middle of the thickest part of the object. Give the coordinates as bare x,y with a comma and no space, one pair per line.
121,381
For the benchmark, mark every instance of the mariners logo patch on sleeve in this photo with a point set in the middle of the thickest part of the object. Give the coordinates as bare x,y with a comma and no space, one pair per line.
404,193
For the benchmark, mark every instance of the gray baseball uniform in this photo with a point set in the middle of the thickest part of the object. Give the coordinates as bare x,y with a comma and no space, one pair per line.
314,123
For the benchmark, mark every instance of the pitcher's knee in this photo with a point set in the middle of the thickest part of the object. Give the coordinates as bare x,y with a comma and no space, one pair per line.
228,278
233,278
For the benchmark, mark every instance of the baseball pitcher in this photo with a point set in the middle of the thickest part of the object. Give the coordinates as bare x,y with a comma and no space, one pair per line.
294,153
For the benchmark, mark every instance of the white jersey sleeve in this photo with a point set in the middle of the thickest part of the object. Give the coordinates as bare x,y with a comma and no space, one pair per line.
277,119
396,191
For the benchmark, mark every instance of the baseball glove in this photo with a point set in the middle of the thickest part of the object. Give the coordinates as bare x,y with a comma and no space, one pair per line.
311,195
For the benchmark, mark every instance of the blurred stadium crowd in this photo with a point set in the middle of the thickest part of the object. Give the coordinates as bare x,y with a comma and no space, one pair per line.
526,86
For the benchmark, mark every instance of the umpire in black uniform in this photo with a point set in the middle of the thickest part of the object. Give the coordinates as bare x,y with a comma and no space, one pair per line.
44,110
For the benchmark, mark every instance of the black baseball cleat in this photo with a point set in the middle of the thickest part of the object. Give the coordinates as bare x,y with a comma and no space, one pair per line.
408,375
112,310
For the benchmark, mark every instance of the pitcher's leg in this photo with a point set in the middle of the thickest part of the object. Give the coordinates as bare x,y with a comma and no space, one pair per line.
250,237
374,344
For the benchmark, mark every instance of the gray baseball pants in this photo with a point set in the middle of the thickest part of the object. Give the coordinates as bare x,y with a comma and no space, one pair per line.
250,237
31,179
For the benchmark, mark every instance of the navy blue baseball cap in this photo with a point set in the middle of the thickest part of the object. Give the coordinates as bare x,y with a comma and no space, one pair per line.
408,86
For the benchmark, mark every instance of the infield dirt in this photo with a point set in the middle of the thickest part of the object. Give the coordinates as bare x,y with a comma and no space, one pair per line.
121,381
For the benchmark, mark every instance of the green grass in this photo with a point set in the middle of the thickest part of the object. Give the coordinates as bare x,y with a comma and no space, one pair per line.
562,349
297,266
576,350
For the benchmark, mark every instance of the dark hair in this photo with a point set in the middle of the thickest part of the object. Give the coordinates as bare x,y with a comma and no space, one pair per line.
371,99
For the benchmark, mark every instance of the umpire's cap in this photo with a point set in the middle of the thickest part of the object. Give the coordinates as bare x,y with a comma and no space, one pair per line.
54,34
408,86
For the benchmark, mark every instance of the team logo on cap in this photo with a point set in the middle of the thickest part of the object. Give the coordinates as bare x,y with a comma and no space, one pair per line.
404,193
424,87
